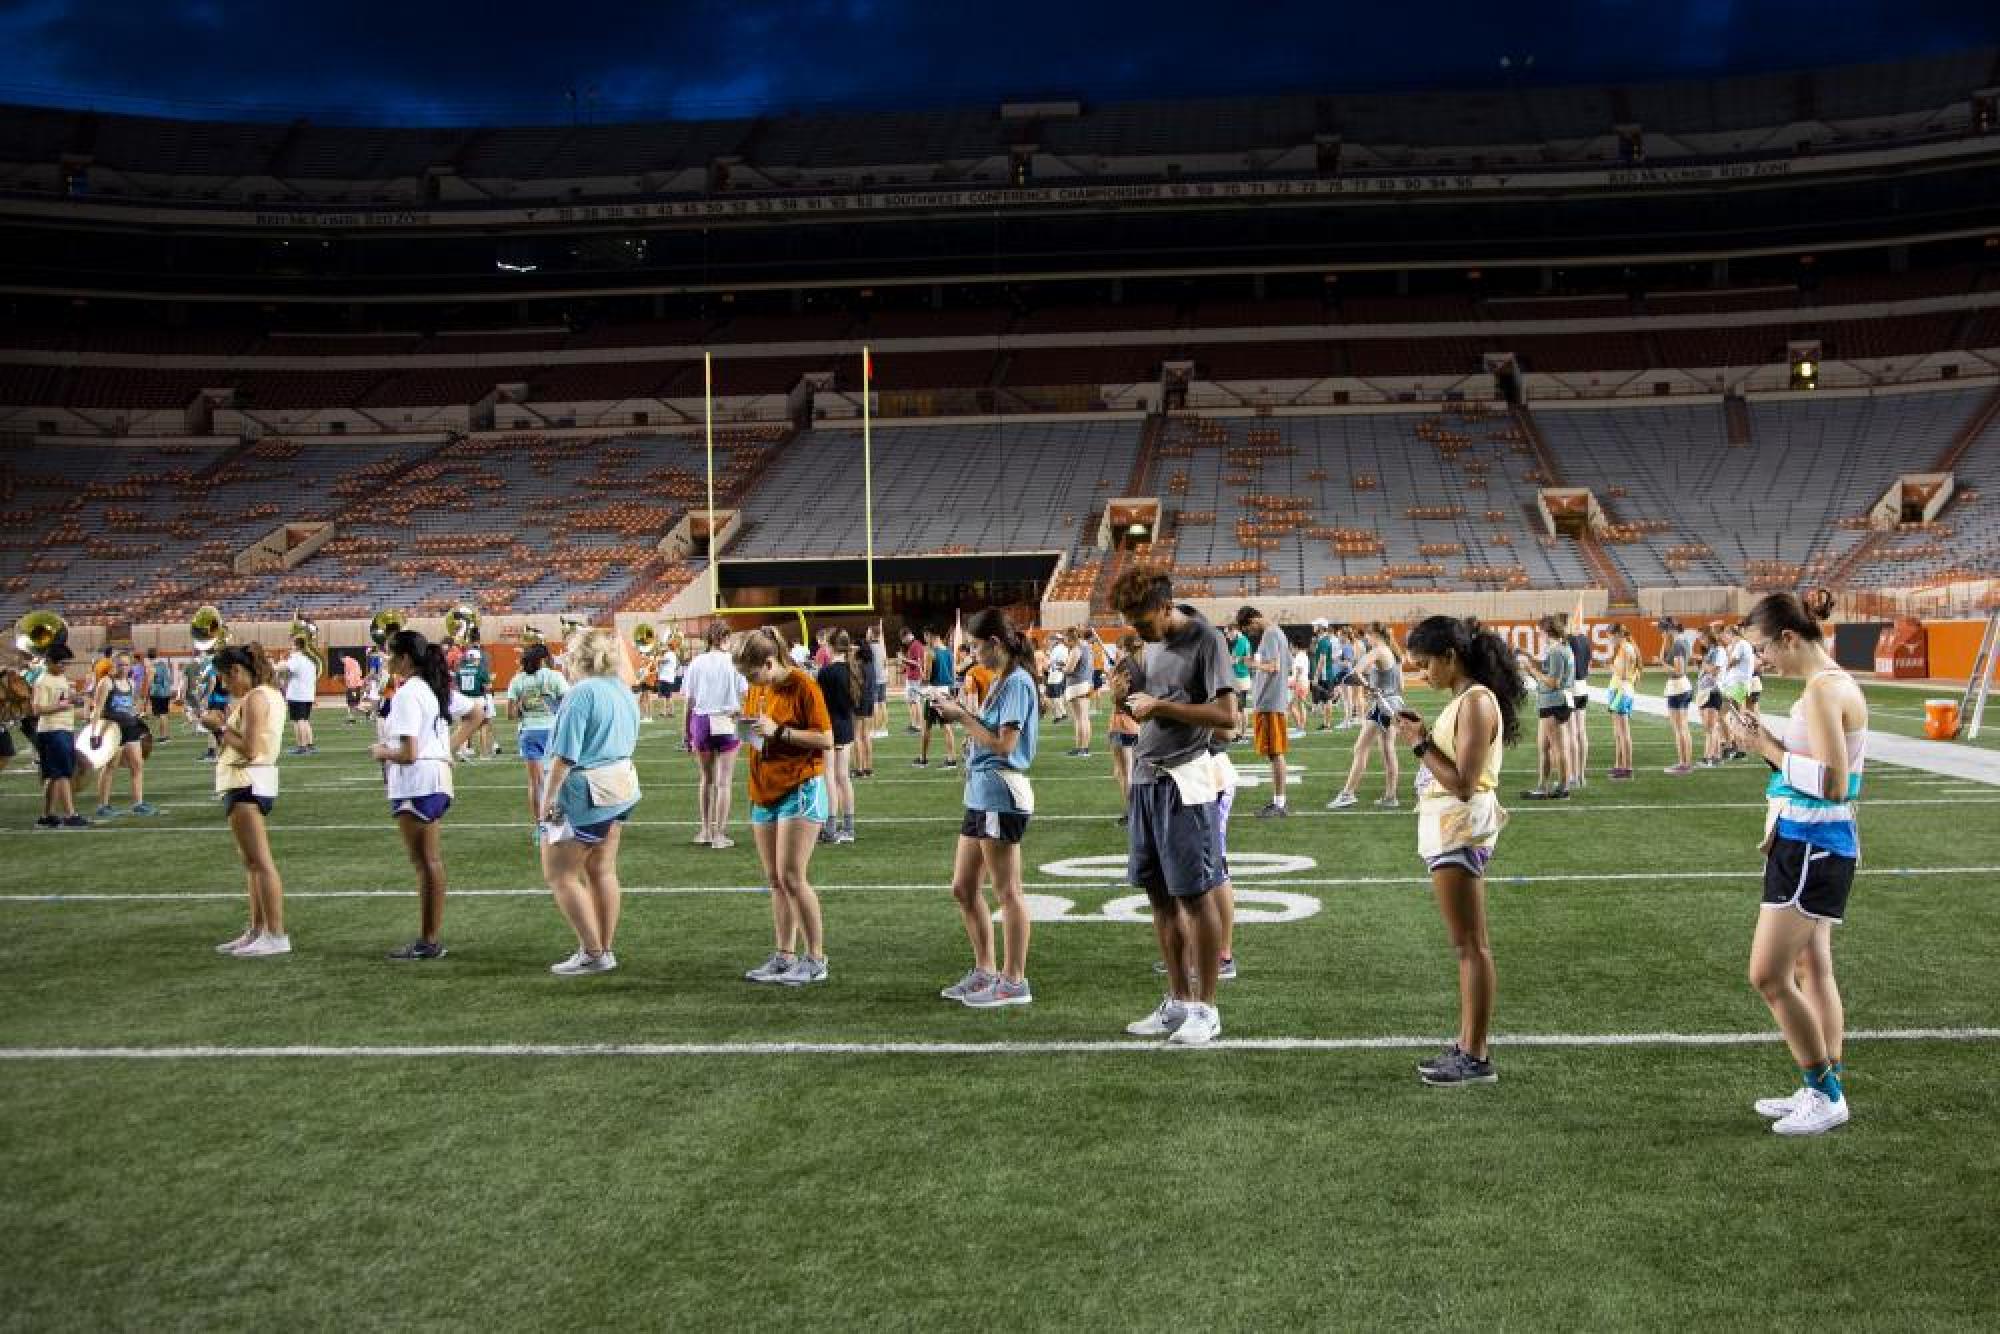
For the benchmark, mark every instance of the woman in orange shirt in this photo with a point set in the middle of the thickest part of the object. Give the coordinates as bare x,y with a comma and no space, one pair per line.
791,734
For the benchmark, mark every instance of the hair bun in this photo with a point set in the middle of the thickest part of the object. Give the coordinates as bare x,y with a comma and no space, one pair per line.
1818,603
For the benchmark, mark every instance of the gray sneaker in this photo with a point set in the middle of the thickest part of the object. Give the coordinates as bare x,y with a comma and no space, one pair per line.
1438,1062
770,970
997,992
1456,1069
1388,803
1271,810
973,980
1162,1022
805,971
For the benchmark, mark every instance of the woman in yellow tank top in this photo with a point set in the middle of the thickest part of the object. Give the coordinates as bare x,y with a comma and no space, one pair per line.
252,732
1459,817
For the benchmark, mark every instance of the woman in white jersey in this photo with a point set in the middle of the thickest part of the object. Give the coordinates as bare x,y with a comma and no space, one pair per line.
1812,844
301,676
252,732
715,691
414,746
1459,816
1739,670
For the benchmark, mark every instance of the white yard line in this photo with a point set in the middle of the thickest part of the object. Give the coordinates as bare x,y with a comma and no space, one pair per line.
997,1048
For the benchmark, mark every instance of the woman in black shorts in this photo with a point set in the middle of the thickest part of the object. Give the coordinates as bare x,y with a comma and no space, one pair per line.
252,731
116,705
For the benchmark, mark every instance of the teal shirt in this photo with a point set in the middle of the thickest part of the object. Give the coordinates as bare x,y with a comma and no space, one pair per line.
537,694
1239,655
597,725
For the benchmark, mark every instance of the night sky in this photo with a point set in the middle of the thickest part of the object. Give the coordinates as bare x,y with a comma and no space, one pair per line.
504,61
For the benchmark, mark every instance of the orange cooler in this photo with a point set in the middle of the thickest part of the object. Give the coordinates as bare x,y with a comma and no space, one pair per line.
1940,719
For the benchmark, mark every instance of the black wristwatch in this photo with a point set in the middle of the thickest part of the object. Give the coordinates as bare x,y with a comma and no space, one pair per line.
1422,748
782,729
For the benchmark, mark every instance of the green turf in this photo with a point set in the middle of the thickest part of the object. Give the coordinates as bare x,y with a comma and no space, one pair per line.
1594,1187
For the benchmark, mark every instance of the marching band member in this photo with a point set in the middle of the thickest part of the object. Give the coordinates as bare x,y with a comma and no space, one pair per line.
414,747
53,708
252,732
115,703
301,677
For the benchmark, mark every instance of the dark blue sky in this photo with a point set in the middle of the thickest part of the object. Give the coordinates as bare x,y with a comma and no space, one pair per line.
507,61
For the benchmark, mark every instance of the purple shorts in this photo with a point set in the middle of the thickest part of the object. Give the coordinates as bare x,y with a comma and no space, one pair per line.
428,810
1224,800
701,738
1466,859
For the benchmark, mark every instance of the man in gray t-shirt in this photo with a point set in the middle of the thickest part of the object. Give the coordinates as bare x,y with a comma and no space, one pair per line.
1270,680
1182,690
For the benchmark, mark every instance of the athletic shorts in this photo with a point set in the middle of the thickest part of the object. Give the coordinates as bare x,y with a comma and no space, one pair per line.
994,826
1225,801
1076,692
1125,740
1054,692
1557,712
1272,738
1381,717
1579,702
913,692
1174,849
1812,880
298,710
428,810
843,731
131,732
807,801
1621,704
702,735
1343,677
1714,701
57,753
880,695
7,751
1322,692
665,689
1678,703
591,835
533,743
244,796
162,704
1741,694
1473,860
354,698
1096,680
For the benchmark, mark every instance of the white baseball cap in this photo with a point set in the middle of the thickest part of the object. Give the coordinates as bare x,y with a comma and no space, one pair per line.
1322,624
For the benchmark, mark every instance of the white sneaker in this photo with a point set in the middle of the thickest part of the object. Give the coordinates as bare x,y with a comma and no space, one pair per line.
770,970
580,963
804,971
1202,1026
702,840
1814,1115
1342,801
263,946
722,842
1777,1109
231,946
1169,1015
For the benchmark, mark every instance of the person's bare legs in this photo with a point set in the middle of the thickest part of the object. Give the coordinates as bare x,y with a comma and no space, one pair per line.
1461,900
420,841
967,867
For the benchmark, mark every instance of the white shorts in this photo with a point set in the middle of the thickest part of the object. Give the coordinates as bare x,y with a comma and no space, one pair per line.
1078,692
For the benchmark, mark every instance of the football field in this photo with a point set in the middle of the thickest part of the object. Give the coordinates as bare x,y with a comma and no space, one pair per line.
332,1140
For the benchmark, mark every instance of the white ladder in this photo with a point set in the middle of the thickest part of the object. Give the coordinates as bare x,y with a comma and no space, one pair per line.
1972,705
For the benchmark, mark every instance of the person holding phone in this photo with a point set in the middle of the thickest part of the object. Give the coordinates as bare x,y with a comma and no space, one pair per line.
1811,844
790,736
715,692
252,732
1459,817
1620,698
1679,691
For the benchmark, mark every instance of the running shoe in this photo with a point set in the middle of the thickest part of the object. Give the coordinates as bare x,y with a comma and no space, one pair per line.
770,970
1343,801
920,763
1169,1015
48,822
1678,770
1439,1061
231,946
722,842
579,964
1202,1026
1388,803
145,808
998,992
1227,972
1271,810
263,946
804,971
973,980
1458,1068
105,813
76,822
418,951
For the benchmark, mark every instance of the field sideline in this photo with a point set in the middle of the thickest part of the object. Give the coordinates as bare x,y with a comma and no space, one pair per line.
329,1139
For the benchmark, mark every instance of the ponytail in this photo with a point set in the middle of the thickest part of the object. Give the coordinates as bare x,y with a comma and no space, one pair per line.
758,647
842,645
429,660
1482,656
250,657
